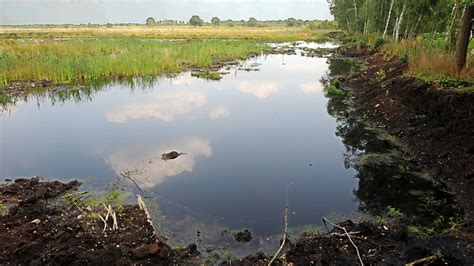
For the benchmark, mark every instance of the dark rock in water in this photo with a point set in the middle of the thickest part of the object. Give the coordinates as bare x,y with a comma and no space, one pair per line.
243,236
21,180
171,155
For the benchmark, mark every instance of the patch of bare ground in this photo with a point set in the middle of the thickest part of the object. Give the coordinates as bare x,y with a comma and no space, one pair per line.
38,230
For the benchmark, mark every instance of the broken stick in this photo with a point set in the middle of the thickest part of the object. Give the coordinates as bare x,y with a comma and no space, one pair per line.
348,236
141,204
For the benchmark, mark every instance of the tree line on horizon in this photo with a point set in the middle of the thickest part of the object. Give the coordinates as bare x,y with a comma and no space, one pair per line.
195,20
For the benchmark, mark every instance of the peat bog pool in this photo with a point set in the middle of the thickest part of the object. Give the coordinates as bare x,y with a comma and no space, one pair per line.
267,127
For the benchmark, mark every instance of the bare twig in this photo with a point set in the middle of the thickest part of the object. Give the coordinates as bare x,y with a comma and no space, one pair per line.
285,231
77,206
350,233
424,260
75,193
128,174
113,215
105,223
284,238
108,212
141,204
348,236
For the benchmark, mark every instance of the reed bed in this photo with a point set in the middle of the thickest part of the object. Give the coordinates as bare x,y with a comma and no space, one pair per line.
79,60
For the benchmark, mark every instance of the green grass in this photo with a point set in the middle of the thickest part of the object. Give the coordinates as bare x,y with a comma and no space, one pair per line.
426,57
84,60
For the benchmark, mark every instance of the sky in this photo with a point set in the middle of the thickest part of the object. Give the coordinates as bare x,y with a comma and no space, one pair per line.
136,11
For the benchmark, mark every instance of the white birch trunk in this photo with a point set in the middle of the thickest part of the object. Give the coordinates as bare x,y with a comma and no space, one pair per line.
450,29
388,19
400,20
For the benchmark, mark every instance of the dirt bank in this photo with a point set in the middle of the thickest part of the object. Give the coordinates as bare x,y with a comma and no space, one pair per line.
39,225
436,122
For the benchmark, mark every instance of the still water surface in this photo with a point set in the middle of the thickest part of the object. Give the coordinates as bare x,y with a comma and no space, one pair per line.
247,138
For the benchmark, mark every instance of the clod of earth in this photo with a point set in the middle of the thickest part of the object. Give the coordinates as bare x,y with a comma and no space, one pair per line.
171,155
243,236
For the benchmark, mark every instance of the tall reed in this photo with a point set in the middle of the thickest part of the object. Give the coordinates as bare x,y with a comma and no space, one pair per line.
79,60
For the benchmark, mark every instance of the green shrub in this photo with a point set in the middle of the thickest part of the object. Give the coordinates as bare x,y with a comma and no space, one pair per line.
378,43
404,58
334,88
394,212
333,91
5,98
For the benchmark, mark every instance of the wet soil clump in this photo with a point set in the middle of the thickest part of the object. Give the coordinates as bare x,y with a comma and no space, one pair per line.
243,236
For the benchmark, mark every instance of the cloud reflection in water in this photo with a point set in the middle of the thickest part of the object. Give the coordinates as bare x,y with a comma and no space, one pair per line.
150,169
261,89
219,112
165,107
311,87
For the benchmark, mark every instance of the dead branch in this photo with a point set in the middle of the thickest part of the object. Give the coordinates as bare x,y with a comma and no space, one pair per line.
75,193
77,206
128,174
111,214
350,233
141,204
424,260
348,236
105,223
285,231
284,238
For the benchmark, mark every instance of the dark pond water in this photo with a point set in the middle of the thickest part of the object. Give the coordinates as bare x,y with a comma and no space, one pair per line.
248,138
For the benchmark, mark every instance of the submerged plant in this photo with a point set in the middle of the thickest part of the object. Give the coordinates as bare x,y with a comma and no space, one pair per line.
394,212
208,75
334,88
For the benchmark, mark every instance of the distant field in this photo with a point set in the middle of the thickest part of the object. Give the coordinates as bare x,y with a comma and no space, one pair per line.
165,32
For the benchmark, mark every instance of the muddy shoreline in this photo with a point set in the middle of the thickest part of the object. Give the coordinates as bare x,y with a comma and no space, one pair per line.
436,123
41,225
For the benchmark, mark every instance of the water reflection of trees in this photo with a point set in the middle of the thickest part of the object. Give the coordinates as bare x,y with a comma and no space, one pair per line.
82,93
387,175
